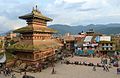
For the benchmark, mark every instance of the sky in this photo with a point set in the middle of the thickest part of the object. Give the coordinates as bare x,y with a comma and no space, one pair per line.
70,12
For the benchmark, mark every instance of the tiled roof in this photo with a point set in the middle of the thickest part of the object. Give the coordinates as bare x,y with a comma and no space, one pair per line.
69,38
35,29
35,14
41,46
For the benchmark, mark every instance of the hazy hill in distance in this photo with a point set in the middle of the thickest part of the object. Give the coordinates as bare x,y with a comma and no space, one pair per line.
5,33
112,28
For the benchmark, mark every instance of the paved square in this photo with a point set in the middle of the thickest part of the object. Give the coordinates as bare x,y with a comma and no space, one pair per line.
73,71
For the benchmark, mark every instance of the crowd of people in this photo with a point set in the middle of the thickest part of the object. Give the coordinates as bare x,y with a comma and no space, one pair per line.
106,62
104,66
7,72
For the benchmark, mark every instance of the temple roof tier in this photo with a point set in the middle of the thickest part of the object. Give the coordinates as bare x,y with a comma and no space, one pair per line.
43,46
35,14
35,29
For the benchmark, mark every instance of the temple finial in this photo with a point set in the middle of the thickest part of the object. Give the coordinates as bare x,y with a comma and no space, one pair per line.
36,7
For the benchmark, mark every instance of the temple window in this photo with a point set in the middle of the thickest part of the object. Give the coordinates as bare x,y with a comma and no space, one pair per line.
87,46
106,48
102,44
110,44
111,48
27,37
27,56
43,38
102,48
30,57
37,56
95,47
106,44
30,37
24,37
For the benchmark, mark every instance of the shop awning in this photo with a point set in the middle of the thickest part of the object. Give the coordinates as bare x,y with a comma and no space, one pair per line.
3,59
90,51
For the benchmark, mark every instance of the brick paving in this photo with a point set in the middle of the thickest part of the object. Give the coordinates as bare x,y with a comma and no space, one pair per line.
73,71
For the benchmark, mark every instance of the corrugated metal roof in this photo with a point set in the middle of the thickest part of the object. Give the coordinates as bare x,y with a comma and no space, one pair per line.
88,38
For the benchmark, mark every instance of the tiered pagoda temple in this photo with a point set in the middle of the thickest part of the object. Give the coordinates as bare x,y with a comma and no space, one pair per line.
36,42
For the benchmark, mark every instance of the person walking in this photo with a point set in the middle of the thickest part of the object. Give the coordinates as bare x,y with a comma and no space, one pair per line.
4,72
118,70
25,75
107,68
53,71
13,76
0,71
94,68
40,67
104,67
9,71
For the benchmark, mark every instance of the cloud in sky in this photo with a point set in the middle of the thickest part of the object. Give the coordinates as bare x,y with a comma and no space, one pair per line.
77,12
73,12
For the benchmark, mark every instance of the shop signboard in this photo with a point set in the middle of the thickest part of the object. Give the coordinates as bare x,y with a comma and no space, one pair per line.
105,38
91,44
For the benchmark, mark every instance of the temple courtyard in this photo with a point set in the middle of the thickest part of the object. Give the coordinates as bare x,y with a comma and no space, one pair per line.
73,71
